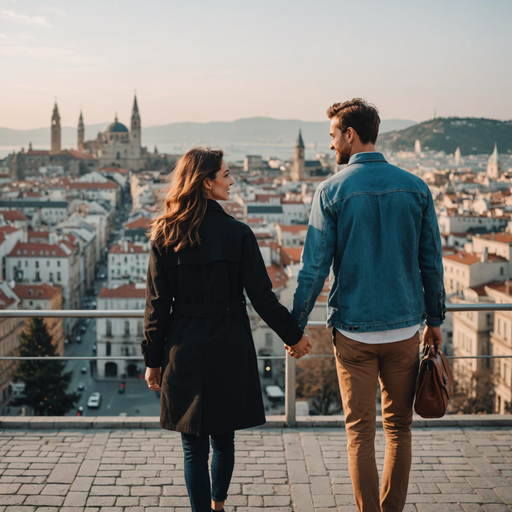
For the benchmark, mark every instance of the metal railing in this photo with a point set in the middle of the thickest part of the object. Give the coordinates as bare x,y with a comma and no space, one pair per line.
290,362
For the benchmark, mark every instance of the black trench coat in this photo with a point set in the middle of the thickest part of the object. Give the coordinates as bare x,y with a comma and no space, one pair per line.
197,330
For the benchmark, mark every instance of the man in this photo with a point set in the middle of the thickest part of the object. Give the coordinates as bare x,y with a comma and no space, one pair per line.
375,227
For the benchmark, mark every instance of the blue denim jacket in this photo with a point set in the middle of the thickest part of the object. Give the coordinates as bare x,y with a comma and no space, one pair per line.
374,226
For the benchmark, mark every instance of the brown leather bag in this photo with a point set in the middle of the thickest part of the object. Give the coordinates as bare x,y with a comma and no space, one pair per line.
434,386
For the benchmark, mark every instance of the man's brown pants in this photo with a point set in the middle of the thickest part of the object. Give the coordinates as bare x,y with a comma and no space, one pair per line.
359,366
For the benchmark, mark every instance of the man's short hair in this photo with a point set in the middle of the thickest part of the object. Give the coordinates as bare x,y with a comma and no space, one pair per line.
362,116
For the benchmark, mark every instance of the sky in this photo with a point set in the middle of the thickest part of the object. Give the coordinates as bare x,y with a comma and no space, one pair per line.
200,61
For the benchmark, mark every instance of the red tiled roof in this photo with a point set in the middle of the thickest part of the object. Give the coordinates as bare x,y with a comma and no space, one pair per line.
38,234
277,276
12,215
80,185
480,290
81,155
37,152
35,249
7,230
295,229
41,291
498,237
291,254
501,286
111,168
4,300
463,257
141,222
137,248
125,291
264,198
255,221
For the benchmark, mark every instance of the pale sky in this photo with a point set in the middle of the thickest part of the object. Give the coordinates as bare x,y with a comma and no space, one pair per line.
203,60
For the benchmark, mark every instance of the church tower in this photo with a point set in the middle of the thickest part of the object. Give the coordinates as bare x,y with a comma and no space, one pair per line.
135,134
81,133
494,165
55,131
299,166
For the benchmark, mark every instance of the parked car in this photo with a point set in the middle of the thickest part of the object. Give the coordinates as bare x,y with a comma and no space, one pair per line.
275,394
83,329
81,386
94,348
102,276
94,401
83,369
78,339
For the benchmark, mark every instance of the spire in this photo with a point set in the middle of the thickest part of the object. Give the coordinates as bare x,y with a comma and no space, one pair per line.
135,109
81,120
494,158
55,109
300,142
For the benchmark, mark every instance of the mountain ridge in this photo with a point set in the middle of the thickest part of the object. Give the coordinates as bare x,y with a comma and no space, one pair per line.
473,135
254,130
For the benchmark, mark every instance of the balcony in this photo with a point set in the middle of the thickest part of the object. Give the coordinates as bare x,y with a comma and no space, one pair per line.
460,462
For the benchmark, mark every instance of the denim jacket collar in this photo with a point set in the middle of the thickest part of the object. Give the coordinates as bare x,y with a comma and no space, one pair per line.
369,156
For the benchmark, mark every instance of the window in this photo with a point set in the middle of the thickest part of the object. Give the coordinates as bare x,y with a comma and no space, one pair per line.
108,349
499,326
47,263
501,270
58,276
26,263
488,319
268,339
51,276
109,327
58,263
38,277
139,328
126,328
37,264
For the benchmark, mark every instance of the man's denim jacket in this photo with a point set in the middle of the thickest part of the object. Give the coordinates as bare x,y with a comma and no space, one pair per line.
375,226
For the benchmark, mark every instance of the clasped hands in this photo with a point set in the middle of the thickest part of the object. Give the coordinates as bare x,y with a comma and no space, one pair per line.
300,349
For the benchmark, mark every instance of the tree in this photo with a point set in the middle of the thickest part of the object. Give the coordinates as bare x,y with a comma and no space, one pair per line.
45,381
317,378
473,394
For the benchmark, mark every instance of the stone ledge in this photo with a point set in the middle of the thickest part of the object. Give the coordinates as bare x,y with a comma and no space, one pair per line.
153,422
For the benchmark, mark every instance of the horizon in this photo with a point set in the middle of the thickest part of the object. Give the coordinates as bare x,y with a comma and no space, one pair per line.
198,62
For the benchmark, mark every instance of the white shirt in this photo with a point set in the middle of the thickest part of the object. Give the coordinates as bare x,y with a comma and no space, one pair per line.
376,337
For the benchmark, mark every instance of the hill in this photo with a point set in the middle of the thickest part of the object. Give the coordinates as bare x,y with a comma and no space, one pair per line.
471,135
255,130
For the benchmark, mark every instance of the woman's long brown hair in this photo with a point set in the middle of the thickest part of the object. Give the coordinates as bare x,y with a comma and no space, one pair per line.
185,202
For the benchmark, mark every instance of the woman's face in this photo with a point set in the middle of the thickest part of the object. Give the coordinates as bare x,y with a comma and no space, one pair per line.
218,189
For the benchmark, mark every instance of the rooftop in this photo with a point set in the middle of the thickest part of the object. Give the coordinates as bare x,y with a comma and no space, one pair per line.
303,469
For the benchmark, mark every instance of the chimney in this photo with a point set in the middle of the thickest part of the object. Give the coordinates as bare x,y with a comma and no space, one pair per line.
485,255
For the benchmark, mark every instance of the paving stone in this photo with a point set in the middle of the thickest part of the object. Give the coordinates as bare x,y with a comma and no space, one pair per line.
76,499
63,473
48,501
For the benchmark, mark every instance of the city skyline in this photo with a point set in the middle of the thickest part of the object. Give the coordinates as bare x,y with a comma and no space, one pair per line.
203,63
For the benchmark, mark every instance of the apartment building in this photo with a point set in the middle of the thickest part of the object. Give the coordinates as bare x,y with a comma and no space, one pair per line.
120,336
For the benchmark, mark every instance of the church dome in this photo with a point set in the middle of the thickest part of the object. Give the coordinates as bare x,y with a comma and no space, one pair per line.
116,127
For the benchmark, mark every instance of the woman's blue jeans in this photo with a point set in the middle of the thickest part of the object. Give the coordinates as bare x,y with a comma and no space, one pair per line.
196,450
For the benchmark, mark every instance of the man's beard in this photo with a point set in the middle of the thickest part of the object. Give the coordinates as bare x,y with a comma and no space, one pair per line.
342,158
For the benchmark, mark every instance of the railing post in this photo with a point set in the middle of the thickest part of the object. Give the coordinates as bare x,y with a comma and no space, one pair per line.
289,403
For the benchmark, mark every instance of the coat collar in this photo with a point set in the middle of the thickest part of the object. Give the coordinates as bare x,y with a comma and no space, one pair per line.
214,207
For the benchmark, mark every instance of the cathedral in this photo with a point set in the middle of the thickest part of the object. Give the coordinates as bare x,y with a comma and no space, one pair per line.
116,145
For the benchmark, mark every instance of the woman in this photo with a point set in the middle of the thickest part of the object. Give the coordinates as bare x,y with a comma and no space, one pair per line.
198,344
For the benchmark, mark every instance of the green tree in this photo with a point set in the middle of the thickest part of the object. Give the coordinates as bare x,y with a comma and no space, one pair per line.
46,382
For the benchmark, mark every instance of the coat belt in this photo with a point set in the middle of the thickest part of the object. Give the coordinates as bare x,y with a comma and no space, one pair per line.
208,310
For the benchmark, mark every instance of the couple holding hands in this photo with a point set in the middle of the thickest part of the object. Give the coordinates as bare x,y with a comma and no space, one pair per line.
372,225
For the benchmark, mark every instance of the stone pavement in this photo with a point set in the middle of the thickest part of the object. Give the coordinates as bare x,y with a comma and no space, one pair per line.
277,470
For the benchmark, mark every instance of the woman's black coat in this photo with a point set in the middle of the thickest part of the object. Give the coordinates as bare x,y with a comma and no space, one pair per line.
197,329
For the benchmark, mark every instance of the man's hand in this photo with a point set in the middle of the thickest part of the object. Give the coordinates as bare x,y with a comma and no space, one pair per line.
153,376
434,337
301,348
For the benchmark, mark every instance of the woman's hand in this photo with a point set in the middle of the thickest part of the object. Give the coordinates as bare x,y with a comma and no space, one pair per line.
300,349
153,376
